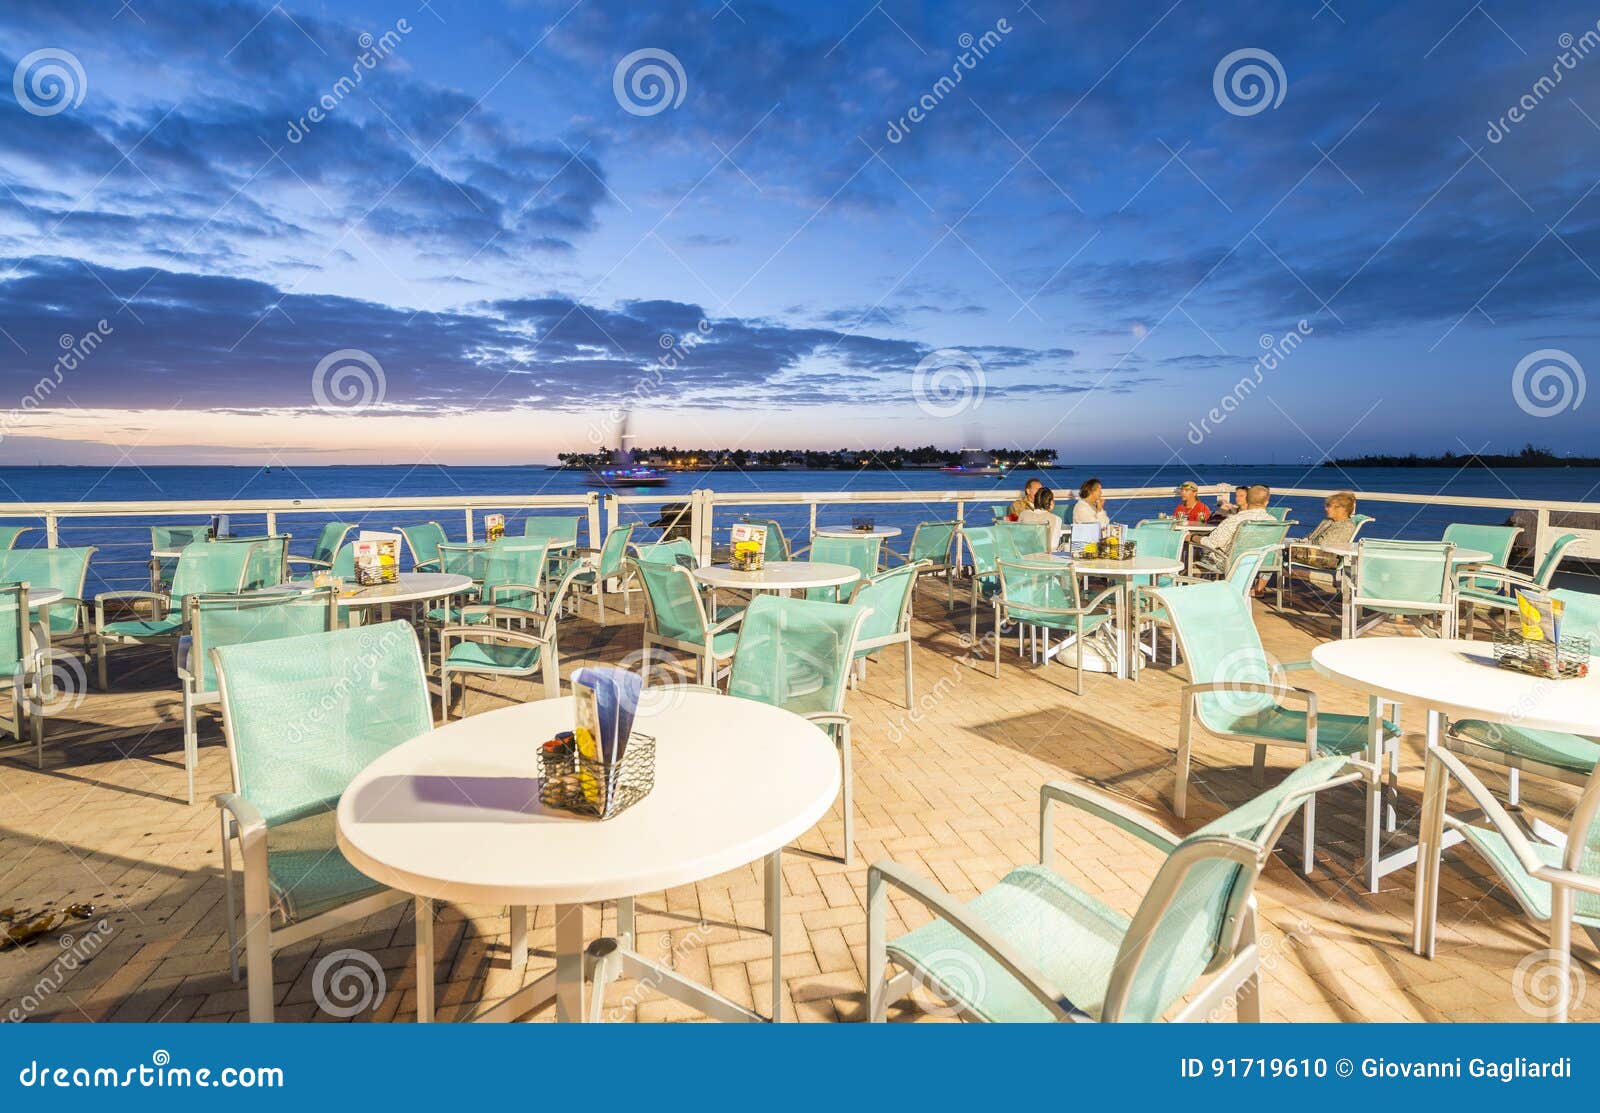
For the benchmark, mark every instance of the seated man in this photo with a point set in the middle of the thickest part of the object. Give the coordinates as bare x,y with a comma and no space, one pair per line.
1216,550
1025,501
1189,507
1228,508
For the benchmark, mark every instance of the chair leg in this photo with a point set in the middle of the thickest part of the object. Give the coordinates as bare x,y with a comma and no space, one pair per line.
258,947
1180,788
228,899
877,950
1258,767
1308,858
1561,950
191,742
1513,786
100,661
849,794
909,683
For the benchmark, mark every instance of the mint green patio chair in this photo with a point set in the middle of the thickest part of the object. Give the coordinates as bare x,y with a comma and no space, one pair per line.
887,597
21,666
302,717
1555,884
1494,540
511,578
168,539
329,542
269,562
860,553
1250,537
1045,595
551,527
1279,512
1501,598
459,558
62,569
1358,521
202,568
933,546
214,621
980,545
423,540
677,551
777,544
484,643
608,562
1410,580
1036,947
1020,540
1000,511
796,654
1152,613
1237,693
9,535
675,617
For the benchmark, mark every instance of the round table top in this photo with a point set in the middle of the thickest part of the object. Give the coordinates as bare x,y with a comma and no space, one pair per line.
43,596
852,531
1349,549
455,814
411,587
1460,679
1138,566
779,575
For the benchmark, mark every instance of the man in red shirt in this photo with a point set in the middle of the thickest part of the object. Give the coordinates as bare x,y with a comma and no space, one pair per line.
1191,507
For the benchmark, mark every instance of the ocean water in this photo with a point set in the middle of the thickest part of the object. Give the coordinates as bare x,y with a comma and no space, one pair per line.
123,541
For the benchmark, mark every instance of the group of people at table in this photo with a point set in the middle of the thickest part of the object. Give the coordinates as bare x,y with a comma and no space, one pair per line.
1036,504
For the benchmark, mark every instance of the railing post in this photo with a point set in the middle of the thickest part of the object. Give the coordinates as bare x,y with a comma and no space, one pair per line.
272,523
52,531
595,539
1541,536
470,526
813,532
705,504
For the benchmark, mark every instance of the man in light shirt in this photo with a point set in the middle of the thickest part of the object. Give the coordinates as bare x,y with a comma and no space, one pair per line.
1216,550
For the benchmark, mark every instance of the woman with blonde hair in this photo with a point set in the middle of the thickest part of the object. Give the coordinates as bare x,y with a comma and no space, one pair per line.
1337,527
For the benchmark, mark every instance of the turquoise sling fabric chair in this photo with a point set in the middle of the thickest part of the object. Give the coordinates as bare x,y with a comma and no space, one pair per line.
423,540
269,562
1555,885
1474,590
168,539
302,717
62,569
1358,521
860,553
1494,540
675,617
777,544
1255,535
1279,512
933,545
606,563
1020,540
203,568
980,545
1045,595
214,621
484,642
1036,947
20,666
1151,611
1411,580
1237,693
551,527
461,559
887,597
329,542
678,551
9,535
796,654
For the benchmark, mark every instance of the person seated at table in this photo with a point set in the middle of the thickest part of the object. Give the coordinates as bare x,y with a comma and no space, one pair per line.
1043,514
1216,550
1090,509
1025,501
1336,528
1189,507
1228,507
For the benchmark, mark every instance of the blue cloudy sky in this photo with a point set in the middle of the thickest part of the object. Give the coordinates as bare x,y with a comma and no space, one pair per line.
758,243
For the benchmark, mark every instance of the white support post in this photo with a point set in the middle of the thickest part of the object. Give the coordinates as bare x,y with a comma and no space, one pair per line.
1541,536
470,526
705,528
813,533
52,532
272,523
594,520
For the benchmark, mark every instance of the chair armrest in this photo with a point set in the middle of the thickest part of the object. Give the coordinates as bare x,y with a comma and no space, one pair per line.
1103,807
421,564
494,634
1295,666
292,559
1278,691
1506,576
248,826
1094,603
942,904
1492,811
531,589
726,624
101,599
493,610
829,718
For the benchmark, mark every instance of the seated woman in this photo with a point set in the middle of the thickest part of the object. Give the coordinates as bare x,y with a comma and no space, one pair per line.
1090,509
1337,528
1042,514
1189,507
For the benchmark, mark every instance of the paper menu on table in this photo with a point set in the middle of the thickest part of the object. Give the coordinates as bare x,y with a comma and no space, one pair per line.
745,536
606,701
495,526
1540,615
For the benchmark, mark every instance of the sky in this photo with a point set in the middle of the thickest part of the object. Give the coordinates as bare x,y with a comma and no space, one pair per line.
471,232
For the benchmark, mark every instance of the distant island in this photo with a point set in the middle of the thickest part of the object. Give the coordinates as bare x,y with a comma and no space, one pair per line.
1529,457
673,458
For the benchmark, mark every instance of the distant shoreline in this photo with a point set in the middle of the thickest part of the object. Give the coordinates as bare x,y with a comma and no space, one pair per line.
1529,457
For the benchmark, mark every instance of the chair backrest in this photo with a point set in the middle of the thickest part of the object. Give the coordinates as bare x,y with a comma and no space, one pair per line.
1279,512
1038,588
887,596
513,569
1000,510
1257,534
1581,616
1357,521
981,544
458,559
1552,559
1403,571
165,538
551,527
16,638
1020,540
304,715
931,541
673,608
329,541
1218,637
777,544
62,569
677,551
423,540
1193,916
1158,540
219,620
269,560
795,653
210,568
344,562
615,550
9,535
1245,568
860,553
1494,540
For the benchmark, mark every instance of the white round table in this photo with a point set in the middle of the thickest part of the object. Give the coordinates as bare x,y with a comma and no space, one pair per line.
881,532
455,815
782,576
1123,572
411,587
1348,550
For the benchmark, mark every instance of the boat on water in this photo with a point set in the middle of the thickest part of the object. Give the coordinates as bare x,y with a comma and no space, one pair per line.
974,462
625,471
